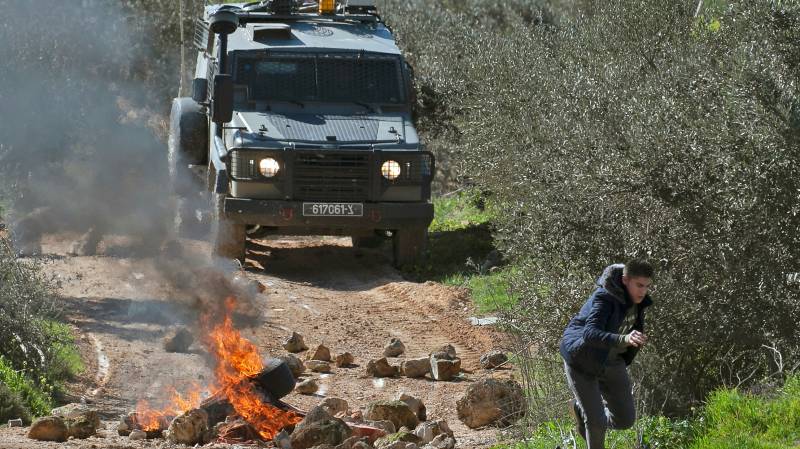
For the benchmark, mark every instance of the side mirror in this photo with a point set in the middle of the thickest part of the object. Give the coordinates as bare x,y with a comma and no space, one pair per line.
200,90
224,21
222,103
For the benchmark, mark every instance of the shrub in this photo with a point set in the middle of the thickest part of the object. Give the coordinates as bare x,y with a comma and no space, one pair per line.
11,406
36,397
26,300
635,129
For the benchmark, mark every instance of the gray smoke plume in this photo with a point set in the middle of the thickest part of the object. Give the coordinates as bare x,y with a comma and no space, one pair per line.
84,93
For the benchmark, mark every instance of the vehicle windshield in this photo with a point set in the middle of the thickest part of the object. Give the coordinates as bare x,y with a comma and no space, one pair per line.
335,77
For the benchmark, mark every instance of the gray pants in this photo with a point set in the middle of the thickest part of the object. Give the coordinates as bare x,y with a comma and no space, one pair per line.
613,387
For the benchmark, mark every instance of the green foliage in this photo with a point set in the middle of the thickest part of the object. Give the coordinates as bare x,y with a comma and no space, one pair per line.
38,353
64,359
36,397
460,210
738,420
460,238
491,292
622,129
25,300
11,405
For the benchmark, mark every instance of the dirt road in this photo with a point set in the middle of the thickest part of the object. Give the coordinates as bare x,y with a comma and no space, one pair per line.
350,301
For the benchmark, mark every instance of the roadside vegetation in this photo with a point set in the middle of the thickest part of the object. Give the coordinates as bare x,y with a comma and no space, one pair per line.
462,252
731,419
38,355
605,131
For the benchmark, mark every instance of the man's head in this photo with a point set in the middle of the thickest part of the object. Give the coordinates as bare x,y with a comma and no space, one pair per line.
637,276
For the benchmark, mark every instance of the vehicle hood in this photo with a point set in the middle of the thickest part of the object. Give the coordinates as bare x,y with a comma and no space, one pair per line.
326,128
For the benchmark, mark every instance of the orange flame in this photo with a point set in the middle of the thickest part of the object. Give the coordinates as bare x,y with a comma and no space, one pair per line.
149,419
237,359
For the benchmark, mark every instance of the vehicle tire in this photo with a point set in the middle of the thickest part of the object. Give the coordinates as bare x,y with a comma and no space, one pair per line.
409,245
228,239
276,378
187,145
191,217
369,242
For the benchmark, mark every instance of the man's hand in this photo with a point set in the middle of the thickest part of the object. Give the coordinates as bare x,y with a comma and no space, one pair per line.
636,339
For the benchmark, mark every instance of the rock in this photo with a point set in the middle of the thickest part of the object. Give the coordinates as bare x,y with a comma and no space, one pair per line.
415,367
75,410
392,445
317,413
335,406
394,348
404,436
294,363
427,431
381,368
323,446
15,422
282,440
82,427
295,343
398,412
331,431
49,428
318,366
178,340
188,428
123,429
444,369
493,359
384,425
137,435
81,420
369,432
441,442
415,405
321,352
350,442
362,445
491,402
344,360
307,386
446,352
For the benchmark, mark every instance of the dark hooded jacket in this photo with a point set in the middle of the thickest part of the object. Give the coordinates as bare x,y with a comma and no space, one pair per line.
592,333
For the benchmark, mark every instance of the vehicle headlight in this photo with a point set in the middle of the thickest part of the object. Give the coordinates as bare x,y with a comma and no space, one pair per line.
390,170
268,167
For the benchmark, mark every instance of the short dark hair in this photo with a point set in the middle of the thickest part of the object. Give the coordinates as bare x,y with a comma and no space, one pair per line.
638,268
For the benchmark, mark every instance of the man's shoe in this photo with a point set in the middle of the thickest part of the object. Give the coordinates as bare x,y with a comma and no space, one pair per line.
575,412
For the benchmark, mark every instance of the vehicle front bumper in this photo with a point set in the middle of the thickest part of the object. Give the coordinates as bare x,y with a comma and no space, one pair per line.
289,214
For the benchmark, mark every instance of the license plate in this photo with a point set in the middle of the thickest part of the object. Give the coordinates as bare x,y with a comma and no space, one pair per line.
333,210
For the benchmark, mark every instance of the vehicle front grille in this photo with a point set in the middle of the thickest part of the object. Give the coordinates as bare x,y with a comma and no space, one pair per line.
329,176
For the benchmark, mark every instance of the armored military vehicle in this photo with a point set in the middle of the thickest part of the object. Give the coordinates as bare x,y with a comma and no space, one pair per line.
300,123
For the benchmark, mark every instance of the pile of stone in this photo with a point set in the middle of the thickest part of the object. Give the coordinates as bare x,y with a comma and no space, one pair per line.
398,423
388,424
442,364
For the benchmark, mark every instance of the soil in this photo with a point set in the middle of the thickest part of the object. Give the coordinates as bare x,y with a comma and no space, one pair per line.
351,300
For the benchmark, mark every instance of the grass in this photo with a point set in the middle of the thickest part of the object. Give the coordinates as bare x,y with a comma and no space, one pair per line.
65,360
490,291
37,398
730,420
462,252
